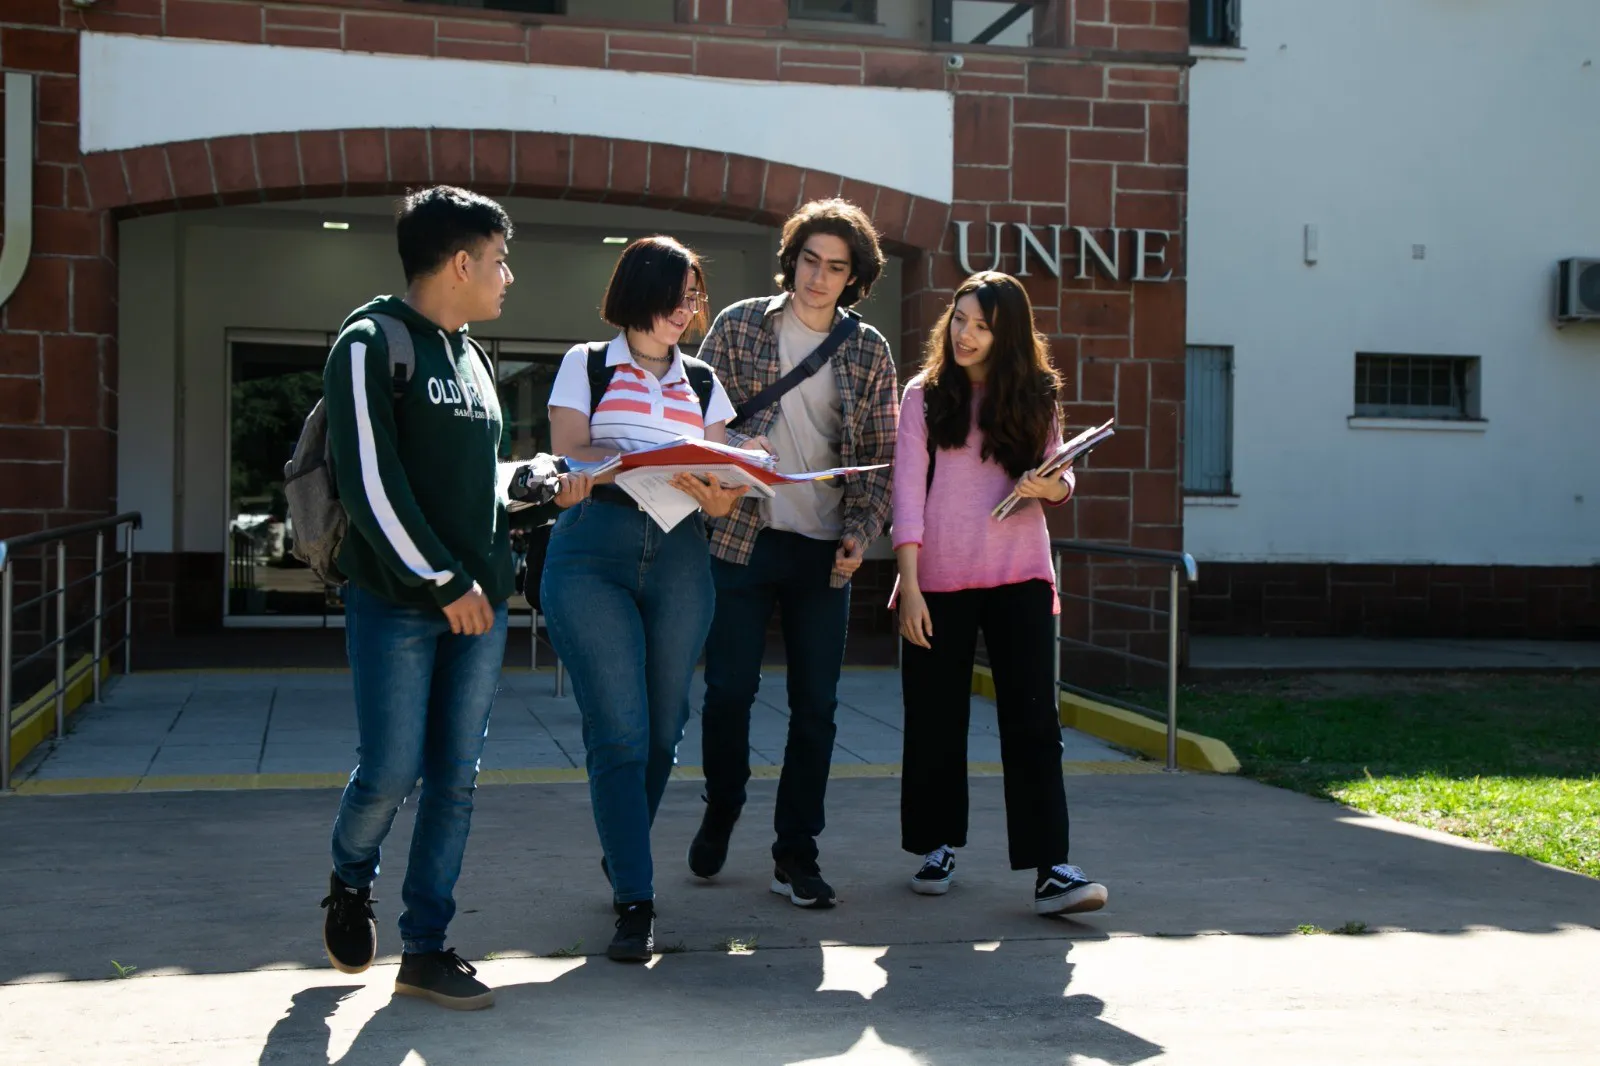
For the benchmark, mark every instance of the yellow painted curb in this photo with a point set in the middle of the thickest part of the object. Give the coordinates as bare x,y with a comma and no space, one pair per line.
1127,729
34,720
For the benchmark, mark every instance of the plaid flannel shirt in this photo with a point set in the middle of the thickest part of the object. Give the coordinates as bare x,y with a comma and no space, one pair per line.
742,347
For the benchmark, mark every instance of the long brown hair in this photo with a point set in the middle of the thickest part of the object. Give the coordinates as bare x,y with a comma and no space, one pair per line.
1019,396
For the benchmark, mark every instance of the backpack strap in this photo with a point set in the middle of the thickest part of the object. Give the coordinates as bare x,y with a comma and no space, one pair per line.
696,370
402,355
841,332
599,373
700,378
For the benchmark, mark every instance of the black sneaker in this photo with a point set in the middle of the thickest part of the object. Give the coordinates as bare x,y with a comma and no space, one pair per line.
1063,889
636,933
349,932
938,870
709,849
443,977
802,882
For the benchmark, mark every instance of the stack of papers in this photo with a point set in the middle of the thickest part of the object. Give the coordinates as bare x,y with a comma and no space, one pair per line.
1057,461
646,475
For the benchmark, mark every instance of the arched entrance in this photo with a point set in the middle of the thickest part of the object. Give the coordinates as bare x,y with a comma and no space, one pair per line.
255,287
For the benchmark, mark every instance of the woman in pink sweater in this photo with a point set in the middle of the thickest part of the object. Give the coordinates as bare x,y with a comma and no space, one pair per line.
973,425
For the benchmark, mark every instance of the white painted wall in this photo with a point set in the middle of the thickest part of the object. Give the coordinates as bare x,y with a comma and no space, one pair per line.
139,91
1467,127
147,349
277,269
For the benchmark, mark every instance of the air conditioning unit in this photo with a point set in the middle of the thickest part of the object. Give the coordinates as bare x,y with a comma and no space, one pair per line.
1578,291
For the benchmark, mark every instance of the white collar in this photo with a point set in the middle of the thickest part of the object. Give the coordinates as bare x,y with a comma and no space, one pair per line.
618,353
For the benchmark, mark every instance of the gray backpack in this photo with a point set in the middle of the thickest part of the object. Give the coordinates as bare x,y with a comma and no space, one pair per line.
316,516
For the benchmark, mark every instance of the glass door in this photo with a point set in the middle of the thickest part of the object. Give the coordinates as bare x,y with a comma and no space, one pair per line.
524,373
273,383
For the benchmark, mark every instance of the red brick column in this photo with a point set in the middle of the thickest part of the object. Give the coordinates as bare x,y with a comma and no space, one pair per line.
756,13
58,358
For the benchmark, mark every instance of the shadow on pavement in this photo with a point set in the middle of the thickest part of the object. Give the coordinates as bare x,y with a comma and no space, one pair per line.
935,1005
229,881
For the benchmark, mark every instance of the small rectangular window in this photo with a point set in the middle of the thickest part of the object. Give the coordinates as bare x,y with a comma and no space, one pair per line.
1417,386
835,10
525,7
1208,422
1214,23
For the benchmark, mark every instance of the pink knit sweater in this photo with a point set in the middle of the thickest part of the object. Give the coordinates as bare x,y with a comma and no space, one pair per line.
962,547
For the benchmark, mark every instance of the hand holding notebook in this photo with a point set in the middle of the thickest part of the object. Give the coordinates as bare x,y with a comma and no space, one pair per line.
1057,461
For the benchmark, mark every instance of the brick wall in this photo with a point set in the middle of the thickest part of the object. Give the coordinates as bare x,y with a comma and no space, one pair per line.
1323,600
1091,134
58,355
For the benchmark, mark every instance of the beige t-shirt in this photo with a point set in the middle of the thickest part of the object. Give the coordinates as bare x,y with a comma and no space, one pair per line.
806,436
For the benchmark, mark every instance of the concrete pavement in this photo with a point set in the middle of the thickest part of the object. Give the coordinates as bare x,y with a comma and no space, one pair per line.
1476,956
211,898
174,730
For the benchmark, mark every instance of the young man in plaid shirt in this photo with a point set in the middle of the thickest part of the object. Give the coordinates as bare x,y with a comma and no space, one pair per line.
796,552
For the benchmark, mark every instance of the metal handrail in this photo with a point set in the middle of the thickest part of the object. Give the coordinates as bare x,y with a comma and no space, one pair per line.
1123,551
1175,562
133,520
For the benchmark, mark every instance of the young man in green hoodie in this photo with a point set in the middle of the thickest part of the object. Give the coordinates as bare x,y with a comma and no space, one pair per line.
428,558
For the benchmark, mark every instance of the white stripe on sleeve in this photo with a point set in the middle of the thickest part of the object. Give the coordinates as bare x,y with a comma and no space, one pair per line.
372,478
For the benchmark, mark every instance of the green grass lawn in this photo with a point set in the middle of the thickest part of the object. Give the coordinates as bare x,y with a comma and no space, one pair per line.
1512,761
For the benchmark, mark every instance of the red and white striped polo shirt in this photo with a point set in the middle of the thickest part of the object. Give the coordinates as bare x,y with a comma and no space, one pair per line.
638,410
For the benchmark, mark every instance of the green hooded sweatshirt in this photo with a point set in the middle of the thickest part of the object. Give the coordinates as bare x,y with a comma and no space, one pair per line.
416,472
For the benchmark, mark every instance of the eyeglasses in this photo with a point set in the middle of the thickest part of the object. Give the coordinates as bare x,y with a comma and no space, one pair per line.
693,301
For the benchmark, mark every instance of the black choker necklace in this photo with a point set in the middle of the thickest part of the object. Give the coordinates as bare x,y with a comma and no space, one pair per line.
637,354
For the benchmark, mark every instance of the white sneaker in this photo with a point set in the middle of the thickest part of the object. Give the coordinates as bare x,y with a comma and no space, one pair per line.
938,870
1064,889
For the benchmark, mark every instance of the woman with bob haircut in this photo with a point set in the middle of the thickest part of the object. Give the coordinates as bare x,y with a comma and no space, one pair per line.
974,423
628,604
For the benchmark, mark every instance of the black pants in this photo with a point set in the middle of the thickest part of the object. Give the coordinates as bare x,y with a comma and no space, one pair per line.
789,573
936,684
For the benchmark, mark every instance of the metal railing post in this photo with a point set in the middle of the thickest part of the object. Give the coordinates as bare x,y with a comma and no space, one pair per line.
127,606
1172,671
6,572
99,605
61,638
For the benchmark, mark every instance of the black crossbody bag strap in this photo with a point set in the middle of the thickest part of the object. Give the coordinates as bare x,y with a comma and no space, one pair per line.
810,365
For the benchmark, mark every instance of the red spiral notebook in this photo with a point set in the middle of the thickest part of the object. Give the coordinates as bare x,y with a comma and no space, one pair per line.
646,475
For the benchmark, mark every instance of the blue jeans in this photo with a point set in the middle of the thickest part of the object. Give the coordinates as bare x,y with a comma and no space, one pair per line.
629,607
422,707
791,572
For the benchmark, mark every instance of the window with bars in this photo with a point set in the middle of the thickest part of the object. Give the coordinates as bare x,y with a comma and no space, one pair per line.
1417,386
835,10
1208,422
1214,23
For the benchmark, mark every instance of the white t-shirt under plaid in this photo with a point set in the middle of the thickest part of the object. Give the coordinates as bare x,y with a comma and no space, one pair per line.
638,410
